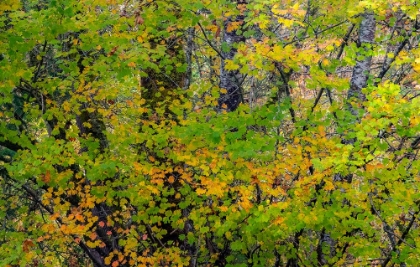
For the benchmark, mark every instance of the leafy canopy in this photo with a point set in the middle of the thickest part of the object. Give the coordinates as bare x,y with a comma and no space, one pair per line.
114,151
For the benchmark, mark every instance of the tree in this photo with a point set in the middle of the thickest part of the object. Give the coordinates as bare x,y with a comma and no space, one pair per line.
230,80
209,133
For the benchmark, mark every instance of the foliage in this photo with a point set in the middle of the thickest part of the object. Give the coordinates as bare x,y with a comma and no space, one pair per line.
115,150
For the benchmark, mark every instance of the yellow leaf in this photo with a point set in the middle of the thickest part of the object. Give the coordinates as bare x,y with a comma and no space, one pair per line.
200,191
137,166
66,106
329,48
107,260
223,208
246,204
90,244
416,67
54,216
286,22
131,243
90,202
230,65
329,185
321,130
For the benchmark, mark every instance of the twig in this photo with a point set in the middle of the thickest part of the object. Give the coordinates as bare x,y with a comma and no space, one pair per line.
210,43
318,32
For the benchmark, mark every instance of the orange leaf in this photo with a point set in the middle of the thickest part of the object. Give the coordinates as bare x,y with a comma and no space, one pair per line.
47,177
93,236
27,244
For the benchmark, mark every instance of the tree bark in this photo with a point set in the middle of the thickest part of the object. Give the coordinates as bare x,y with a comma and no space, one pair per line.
231,80
361,70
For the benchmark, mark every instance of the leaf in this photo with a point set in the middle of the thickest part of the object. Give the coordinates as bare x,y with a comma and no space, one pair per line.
27,245
230,65
329,185
166,132
46,177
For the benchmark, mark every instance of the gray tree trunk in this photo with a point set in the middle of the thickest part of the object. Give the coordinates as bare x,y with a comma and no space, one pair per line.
362,68
231,80
188,50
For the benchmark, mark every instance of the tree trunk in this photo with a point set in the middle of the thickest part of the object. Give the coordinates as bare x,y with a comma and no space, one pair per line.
231,80
362,68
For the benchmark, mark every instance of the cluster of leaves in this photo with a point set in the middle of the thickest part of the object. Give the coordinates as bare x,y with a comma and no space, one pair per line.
115,149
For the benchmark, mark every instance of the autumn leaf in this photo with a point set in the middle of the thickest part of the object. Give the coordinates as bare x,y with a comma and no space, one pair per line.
27,245
209,133
47,177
